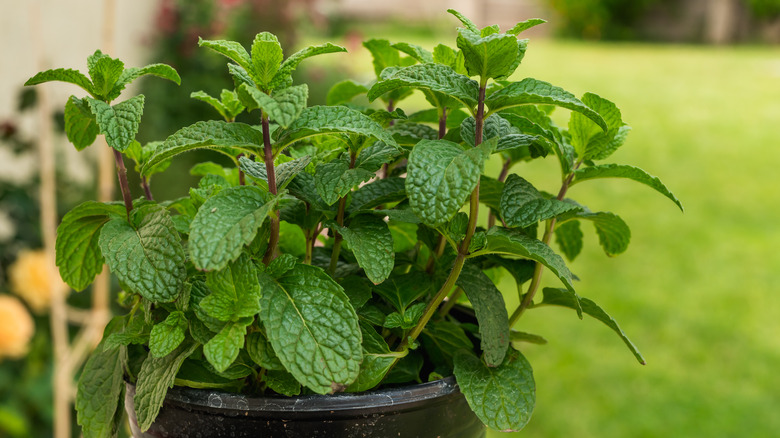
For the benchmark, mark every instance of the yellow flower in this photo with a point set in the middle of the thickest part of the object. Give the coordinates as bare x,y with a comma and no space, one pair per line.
16,328
32,279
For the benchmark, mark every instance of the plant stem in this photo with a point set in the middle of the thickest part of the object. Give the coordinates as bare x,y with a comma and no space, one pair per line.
528,298
271,172
147,189
334,256
121,172
443,123
501,178
451,301
463,249
241,178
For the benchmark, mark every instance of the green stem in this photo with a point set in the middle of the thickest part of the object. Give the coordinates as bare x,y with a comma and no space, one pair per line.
451,301
443,123
271,172
121,172
334,256
528,298
463,249
501,178
147,189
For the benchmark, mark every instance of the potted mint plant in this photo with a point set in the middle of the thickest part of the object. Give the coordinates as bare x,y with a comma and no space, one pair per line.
313,286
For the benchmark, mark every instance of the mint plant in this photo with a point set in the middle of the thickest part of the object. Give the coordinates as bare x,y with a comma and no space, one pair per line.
303,268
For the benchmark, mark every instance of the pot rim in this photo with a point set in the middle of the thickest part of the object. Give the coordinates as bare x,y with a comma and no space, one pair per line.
398,398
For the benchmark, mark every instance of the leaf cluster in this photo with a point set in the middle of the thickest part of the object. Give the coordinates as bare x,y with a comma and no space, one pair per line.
320,262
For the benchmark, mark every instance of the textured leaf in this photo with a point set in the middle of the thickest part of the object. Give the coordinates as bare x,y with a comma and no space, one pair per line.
168,334
80,124
290,64
377,360
490,56
522,205
381,191
374,156
402,290
515,242
282,107
344,91
225,223
530,91
588,139
164,71
312,327
222,350
148,258
285,172
406,320
409,134
105,71
442,339
213,101
568,235
383,54
490,192
624,171
421,55
62,75
77,251
119,123
266,57
525,25
494,126
562,297
614,234
282,382
440,178
154,379
434,77
335,179
489,306
466,22
261,352
230,49
370,240
319,120
100,386
502,397
235,292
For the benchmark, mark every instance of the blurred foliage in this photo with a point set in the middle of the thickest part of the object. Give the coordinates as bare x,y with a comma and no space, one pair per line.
765,8
601,19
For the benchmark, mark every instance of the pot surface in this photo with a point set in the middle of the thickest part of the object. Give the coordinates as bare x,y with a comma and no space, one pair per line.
429,410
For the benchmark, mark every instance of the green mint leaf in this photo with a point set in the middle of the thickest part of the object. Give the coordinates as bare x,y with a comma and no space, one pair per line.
148,258
222,350
625,171
517,337
588,139
568,235
466,22
442,339
168,334
490,190
490,56
100,386
522,205
502,397
119,123
154,379
372,371
370,240
230,49
282,107
402,290
266,58
261,352
194,374
441,176
373,157
136,331
164,71
280,265
335,179
525,25
80,124
78,255
320,120
105,72
290,64
381,191
421,55
409,134
489,306
494,126
235,292
406,370
285,172
614,234
564,298
383,54
514,242
358,290
530,91
312,327
344,91
225,223
240,76
282,382
434,77
213,101
63,75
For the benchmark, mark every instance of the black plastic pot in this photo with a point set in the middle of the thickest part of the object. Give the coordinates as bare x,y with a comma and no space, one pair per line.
429,410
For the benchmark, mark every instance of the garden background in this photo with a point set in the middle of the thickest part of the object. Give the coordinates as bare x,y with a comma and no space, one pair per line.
698,83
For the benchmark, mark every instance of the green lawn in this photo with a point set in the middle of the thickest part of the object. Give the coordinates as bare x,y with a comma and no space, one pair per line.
695,291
